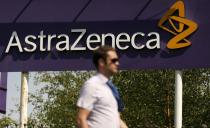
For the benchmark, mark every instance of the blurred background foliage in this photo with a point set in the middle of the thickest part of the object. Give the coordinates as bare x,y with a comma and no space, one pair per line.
148,96
7,122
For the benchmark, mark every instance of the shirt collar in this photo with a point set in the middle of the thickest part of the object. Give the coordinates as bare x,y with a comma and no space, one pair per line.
103,78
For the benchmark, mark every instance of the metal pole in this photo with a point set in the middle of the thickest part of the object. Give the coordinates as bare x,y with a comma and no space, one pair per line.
178,99
23,99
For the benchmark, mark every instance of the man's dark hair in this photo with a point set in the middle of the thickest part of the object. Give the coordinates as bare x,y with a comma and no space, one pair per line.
101,53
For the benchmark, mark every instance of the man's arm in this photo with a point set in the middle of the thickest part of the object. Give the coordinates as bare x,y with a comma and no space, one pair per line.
82,118
123,124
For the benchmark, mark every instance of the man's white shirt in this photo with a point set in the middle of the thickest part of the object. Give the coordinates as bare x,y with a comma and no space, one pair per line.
97,97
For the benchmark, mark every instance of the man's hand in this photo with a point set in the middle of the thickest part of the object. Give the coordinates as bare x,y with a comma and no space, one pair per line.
82,118
122,124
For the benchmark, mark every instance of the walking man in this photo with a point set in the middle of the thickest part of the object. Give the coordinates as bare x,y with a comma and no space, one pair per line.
99,102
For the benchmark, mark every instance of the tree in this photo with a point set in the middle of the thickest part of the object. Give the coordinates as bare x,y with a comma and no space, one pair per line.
148,96
6,122
145,94
196,98
55,102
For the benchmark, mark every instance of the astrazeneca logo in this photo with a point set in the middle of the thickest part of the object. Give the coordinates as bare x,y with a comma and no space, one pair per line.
179,40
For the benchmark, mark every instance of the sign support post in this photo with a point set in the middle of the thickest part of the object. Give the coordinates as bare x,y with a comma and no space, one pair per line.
178,99
24,100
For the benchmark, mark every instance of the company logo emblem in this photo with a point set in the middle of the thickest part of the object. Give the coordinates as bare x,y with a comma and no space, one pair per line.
179,40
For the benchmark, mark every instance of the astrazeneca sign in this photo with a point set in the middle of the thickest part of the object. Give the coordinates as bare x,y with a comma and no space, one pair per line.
33,41
166,42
